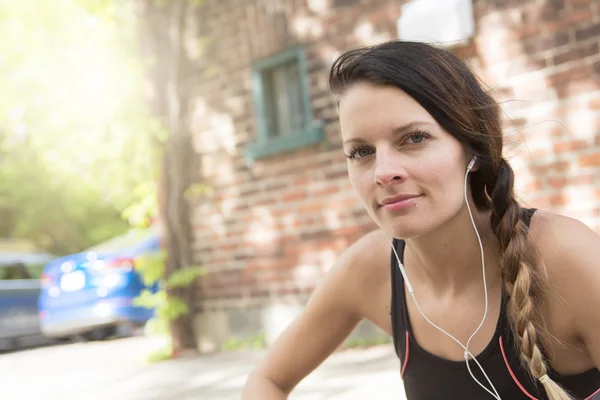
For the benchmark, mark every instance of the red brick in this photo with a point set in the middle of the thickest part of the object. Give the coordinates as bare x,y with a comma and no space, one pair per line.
557,183
589,160
569,146
568,76
581,15
553,167
576,88
540,201
584,180
538,152
528,65
528,31
596,68
555,6
563,22
538,44
311,207
294,196
558,200
580,3
326,191
594,104
587,32
534,186
576,53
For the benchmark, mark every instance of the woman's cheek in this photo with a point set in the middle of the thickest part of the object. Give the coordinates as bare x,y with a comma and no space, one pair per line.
363,185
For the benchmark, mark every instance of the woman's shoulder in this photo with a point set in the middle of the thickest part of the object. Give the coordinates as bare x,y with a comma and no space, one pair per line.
569,252
561,239
370,252
568,248
371,247
364,266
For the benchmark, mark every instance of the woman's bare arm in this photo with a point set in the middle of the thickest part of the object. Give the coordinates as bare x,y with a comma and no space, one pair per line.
329,317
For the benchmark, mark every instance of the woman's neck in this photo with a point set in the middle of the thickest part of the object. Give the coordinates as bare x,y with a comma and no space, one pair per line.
448,260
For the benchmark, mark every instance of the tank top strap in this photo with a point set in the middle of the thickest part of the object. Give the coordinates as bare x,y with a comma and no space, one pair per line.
398,307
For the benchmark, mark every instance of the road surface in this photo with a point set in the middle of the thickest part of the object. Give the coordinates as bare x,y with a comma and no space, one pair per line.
117,370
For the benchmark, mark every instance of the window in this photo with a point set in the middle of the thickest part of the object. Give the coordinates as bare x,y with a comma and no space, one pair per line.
14,271
281,98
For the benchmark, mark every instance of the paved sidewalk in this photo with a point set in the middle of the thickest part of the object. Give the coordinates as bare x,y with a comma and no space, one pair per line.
350,375
114,370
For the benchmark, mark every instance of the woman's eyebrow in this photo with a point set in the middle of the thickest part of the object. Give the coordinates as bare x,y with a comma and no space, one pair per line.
396,131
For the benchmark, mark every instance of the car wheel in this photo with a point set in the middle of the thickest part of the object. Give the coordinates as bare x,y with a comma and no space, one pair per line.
100,333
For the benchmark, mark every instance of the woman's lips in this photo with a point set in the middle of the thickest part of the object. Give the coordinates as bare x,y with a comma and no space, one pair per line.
398,203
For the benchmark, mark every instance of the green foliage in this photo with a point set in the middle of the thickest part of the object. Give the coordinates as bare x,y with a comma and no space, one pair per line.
184,277
78,146
167,308
232,344
162,354
151,267
75,135
157,327
148,299
175,308
198,190
254,342
140,212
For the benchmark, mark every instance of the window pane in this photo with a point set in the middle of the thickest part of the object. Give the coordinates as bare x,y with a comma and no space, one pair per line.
283,100
282,106
294,91
270,104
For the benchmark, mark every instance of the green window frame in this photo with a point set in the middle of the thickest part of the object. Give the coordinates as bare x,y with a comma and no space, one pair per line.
282,102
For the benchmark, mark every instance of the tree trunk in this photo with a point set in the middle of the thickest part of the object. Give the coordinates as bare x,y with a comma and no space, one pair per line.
161,31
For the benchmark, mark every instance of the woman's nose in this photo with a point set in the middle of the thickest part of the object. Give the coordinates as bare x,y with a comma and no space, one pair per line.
388,170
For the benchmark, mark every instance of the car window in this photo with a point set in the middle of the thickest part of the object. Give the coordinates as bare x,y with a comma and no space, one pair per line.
14,271
35,270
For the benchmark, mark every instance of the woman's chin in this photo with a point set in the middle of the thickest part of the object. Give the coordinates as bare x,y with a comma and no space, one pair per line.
403,231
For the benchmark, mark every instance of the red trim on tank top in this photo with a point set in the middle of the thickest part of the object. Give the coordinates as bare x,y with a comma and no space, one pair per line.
592,395
512,374
519,384
406,355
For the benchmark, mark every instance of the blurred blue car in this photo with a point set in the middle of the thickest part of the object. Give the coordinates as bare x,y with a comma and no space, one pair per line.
90,294
20,273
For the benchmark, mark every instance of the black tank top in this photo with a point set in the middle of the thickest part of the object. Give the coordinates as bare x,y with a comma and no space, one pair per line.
429,377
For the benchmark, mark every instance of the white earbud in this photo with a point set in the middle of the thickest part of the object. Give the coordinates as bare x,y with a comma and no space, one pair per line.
411,291
472,163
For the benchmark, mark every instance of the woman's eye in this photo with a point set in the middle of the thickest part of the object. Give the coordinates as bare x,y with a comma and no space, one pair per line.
364,152
359,153
417,137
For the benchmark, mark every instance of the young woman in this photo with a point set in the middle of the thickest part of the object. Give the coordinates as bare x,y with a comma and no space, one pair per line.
495,300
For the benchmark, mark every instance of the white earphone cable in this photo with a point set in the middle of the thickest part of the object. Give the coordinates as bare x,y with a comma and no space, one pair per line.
412,293
485,290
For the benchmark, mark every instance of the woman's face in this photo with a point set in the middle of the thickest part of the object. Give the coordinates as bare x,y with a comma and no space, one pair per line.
408,171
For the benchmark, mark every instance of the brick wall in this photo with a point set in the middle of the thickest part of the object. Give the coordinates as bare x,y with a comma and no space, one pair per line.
273,227
543,60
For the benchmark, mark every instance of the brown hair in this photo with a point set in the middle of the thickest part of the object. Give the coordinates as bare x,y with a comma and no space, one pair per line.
442,84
